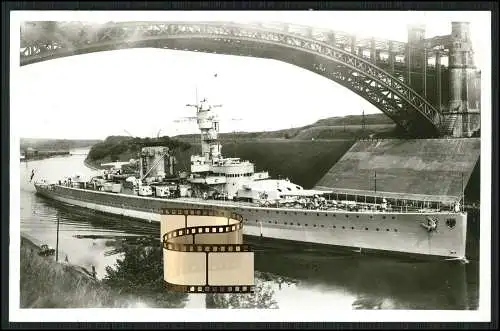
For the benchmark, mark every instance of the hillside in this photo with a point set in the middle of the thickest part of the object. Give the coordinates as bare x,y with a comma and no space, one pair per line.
303,162
301,154
56,144
348,127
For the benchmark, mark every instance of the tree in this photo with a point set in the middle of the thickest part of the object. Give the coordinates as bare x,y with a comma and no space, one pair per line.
140,273
116,146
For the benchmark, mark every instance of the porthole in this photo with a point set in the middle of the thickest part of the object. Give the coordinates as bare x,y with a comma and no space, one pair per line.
352,227
386,229
334,226
291,223
298,224
343,227
314,225
383,217
346,216
317,214
395,230
377,229
286,223
357,216
305,224
322,226
393,217
366,229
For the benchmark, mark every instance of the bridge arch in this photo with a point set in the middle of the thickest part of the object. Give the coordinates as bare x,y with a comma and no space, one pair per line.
389,94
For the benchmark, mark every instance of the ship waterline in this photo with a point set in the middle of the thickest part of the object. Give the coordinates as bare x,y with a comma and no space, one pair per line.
386,231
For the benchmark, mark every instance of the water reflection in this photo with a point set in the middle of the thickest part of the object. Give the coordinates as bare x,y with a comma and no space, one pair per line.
287,275
367,282
262,298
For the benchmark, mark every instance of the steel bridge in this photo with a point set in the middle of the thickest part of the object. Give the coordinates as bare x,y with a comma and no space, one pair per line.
396,77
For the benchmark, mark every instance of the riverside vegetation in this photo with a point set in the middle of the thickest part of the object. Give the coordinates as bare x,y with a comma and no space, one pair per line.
136,280
55,144
47,284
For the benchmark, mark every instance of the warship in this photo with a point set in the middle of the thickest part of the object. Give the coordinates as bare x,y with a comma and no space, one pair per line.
271,208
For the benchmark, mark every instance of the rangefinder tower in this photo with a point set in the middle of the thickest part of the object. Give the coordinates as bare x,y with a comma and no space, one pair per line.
156,162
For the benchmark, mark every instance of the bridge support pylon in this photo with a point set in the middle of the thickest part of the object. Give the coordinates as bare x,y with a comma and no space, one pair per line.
462,118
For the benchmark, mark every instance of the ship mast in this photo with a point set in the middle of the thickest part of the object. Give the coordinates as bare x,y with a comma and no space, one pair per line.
208,125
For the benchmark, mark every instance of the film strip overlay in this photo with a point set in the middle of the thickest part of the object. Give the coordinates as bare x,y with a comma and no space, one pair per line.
203,252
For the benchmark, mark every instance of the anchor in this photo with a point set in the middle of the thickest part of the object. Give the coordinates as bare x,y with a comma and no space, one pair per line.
431,225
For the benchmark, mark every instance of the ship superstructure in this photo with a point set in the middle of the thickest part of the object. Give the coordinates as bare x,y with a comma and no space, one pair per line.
214,176
272,208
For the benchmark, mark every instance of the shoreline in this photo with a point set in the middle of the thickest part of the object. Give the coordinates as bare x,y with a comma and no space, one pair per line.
44,157
90,165
45,283
34,244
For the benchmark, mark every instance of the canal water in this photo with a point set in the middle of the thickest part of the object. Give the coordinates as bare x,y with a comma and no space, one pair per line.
307,277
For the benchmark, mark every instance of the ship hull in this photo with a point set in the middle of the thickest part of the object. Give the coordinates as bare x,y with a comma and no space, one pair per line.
397,232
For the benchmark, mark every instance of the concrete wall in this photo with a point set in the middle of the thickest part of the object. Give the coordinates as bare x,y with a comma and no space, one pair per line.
420,166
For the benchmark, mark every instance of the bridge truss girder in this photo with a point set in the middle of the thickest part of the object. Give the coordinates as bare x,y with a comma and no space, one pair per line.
391,95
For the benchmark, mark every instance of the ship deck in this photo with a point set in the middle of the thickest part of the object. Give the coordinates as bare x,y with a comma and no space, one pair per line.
240,204
423,207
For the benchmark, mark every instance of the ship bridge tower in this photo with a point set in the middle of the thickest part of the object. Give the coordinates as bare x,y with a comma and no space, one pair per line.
208,123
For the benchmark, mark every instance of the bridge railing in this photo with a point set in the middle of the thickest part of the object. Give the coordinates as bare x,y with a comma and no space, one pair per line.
335,37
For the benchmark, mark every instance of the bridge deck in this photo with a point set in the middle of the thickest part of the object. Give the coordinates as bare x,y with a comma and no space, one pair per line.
431,167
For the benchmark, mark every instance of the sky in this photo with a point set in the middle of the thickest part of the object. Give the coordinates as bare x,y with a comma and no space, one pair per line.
142,91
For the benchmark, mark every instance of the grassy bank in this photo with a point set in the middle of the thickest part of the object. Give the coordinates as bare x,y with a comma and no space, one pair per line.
47,284
347,127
